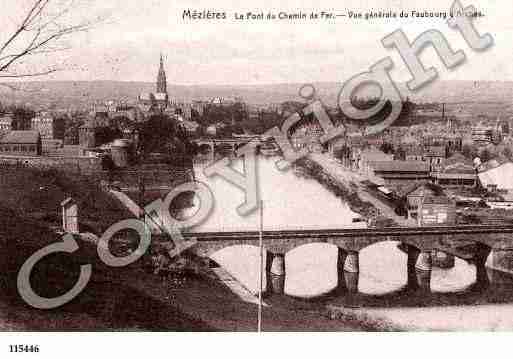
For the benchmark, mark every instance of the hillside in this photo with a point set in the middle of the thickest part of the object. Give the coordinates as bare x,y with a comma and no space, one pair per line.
79,94
37,194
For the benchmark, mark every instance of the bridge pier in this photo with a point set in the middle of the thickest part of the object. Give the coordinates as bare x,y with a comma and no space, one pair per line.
413,254
501,260
419,269
277,273
341,280
348,269
424,280
351,271
352,262
424,262
423,267
213,147
480,259
351,282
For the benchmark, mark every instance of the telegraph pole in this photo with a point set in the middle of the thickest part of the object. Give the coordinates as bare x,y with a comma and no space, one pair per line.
261,269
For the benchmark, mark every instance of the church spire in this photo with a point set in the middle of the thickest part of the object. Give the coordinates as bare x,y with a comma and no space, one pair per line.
161,78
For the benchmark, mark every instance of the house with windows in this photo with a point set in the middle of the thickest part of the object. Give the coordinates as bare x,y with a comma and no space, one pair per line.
48,127
6,124
434,155
415,153
21,143
456,171
371,155
428,204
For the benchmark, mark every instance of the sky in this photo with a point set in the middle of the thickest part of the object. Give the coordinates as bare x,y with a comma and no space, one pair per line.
127,45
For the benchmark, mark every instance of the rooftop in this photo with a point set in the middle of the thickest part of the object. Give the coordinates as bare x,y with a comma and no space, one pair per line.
21,137
414,151
160,96
6,119
400,166
436,200
146,96
458,158
435,151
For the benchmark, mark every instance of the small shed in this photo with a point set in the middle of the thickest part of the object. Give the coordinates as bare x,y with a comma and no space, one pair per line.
69,216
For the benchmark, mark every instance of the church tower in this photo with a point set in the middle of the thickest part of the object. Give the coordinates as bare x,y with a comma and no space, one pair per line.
161,78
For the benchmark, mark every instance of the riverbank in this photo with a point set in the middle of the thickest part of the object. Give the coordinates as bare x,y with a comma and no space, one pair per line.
131,299
121,299
384,211
346,191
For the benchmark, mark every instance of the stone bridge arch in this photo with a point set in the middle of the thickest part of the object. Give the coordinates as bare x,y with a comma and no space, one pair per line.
473,245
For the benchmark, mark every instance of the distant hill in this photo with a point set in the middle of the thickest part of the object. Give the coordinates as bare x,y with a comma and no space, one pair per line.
82,93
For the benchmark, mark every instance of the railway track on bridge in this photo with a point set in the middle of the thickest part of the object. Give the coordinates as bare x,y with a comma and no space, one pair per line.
348,232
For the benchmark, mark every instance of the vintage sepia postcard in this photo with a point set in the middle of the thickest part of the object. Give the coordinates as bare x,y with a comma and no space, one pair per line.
272,166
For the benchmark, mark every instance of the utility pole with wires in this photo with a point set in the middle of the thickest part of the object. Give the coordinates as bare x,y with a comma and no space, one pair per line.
262,268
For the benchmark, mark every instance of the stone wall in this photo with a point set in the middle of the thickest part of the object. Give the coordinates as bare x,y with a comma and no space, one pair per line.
84,165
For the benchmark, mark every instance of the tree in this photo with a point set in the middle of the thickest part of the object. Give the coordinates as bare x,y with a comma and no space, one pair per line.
155,134
400,154
387,147
469,151
506,152
161,140
107,134
22,116
485,155
42,27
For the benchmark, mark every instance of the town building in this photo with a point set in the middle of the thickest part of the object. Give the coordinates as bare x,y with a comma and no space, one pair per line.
371,155
436,211
190,127
87,135
428,204
482,134
307,135
21,143
453,142
455,172
100,115
158,101
434,155
198,107
401,172
6,124
48,127
414,153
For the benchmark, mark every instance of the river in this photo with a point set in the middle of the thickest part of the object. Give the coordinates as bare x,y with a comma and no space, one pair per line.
454,300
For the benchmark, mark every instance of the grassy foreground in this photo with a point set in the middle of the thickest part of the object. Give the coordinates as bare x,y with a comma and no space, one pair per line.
126,298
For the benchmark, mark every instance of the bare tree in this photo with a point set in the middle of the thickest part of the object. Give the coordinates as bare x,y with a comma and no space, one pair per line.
43,27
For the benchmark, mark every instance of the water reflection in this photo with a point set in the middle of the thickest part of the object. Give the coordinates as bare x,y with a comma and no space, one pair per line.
383,268
455,279
311,270
384,285
243,263
290,202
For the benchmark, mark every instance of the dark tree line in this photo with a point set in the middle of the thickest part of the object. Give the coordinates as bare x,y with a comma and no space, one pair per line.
163,136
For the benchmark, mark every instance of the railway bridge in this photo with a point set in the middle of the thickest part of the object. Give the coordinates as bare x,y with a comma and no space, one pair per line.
425,247
233,143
